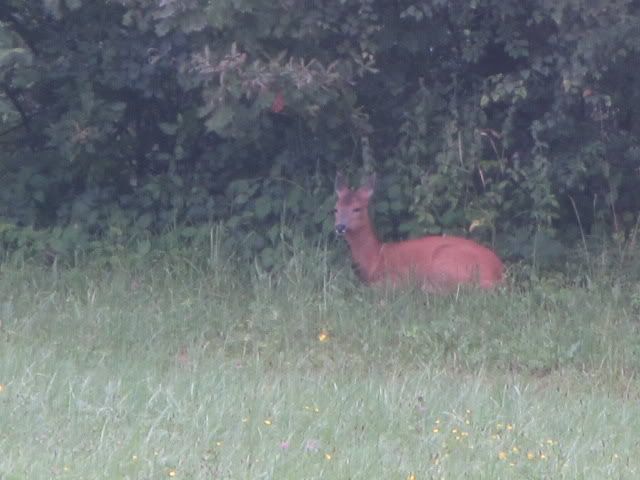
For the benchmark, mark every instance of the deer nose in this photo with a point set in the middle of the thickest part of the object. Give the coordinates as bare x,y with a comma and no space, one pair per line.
341,229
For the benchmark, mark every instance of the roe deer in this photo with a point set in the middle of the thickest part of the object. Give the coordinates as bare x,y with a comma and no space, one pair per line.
439,264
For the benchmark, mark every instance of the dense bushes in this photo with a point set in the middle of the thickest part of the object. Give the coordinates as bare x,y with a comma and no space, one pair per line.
132,117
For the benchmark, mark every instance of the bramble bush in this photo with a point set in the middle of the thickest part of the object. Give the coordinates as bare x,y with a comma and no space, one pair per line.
122,120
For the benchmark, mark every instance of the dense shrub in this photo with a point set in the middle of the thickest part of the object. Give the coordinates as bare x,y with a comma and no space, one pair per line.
132,117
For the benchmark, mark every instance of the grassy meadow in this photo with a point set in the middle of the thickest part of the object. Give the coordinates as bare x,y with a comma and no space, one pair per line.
180,366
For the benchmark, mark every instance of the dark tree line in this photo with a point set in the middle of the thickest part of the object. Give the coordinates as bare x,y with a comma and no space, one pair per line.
125,118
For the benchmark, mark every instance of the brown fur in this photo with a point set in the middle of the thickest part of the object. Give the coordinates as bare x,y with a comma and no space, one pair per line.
438,263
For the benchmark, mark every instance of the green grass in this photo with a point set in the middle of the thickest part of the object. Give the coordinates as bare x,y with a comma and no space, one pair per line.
186,368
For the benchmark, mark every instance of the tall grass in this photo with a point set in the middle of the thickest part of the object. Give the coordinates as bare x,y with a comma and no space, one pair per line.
182,365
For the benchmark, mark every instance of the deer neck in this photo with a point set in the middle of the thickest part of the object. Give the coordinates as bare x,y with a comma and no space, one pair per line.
365,251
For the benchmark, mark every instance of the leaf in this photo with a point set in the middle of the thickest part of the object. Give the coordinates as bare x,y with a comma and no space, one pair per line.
268,257
396,206
263,207
274,233
241,199
13,56
73,4
394,191
53,8
220,120
144,221
168,128
144,247
194,22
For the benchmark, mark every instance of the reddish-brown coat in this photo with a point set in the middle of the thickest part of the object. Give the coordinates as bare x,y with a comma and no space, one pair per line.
438,263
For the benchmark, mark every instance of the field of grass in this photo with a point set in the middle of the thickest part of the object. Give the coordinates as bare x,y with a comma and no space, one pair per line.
172,368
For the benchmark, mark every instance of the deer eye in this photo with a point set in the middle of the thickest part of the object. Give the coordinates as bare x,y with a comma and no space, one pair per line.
356,210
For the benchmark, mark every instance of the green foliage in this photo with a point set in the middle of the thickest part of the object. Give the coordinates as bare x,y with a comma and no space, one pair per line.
136,117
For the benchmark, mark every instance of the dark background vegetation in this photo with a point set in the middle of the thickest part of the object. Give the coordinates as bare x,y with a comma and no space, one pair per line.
124,119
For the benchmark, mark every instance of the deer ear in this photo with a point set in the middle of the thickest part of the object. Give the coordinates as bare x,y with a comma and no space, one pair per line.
341,184
368,185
